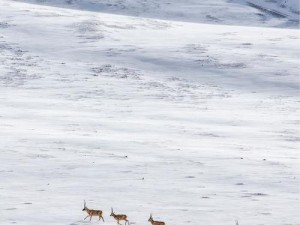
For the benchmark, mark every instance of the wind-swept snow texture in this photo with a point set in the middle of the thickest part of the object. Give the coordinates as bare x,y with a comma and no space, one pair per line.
231,12
195,123
282,8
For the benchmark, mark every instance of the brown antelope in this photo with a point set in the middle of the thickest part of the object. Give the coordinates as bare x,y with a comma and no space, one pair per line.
151,220
92,212
119,217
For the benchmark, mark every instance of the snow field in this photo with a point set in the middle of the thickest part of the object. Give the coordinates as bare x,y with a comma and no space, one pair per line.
195,123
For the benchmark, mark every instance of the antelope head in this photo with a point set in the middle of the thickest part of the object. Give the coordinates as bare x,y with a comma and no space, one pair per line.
112,212
150,219
84,206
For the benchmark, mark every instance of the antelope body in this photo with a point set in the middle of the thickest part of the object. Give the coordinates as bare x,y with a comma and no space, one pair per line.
92,212
119,217
153,222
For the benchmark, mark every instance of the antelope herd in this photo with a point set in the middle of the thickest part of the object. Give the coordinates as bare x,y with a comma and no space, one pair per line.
117,217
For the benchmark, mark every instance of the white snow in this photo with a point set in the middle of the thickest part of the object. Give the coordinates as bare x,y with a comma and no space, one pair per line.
230,12
196,122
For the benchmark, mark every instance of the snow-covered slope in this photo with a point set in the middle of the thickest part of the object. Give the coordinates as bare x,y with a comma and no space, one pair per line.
195,123
233,12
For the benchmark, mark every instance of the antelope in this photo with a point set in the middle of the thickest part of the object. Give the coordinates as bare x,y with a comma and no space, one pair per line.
151,220
92,212
119,217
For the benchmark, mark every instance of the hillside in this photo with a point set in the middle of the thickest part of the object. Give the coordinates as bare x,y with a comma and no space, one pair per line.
233,12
